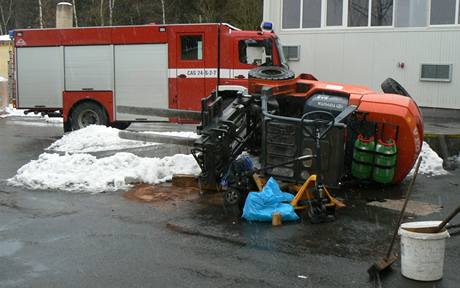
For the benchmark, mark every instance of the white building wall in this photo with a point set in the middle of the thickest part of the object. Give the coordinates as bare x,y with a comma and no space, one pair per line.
367,56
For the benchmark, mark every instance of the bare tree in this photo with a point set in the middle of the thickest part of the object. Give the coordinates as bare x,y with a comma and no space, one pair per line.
101,12
111,6
75,13
40,11
163,11
5,18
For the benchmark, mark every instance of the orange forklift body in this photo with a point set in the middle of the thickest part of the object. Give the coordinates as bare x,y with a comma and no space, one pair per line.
398,117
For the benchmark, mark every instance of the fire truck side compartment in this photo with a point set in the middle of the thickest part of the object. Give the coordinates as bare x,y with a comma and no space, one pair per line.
88,68
141,78
40,77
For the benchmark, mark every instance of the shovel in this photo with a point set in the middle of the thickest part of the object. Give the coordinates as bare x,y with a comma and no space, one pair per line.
390,258
435,229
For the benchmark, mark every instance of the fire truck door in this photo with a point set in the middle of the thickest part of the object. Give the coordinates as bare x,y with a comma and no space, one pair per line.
190,72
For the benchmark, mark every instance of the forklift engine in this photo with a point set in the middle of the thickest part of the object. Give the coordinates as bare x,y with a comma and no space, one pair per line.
366,136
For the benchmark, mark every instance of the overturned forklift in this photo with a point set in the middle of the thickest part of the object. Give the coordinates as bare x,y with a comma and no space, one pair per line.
308,134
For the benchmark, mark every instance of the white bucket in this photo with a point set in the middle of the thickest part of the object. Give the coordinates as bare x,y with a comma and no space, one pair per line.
422,254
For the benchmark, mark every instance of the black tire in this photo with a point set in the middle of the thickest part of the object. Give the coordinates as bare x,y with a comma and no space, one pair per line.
271,73
67,126
88,113
120,125
391,86
233,197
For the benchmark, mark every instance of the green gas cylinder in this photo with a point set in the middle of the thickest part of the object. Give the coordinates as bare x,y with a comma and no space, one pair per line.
385,161
363,157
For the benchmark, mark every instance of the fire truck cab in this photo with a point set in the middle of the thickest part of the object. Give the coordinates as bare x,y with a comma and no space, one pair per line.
84,74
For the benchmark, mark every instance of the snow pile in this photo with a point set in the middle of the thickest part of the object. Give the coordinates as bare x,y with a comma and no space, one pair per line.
93,138
431,164
96,138
84,172
10,111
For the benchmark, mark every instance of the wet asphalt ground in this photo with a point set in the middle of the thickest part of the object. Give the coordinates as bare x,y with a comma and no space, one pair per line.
62,239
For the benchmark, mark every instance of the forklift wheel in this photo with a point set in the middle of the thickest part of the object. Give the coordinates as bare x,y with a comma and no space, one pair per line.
320,214
232,197
271,73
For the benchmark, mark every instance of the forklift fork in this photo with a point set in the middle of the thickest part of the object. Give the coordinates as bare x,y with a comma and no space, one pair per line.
305,194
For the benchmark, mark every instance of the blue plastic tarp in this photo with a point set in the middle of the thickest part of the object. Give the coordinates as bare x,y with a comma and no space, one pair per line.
260,206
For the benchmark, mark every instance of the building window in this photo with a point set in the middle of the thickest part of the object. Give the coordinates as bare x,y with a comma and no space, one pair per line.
291,53
411,13
436,72
382,13
358,13
291,14
191,47
369,13
334,12
311,14
443,12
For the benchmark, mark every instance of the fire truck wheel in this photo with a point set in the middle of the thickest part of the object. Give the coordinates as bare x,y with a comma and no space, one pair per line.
271,73
86,114
120,125
391,86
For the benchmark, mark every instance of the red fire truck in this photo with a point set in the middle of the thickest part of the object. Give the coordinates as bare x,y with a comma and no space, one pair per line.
85,74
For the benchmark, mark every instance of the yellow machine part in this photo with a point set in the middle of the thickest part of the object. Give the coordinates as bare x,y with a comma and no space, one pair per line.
303,192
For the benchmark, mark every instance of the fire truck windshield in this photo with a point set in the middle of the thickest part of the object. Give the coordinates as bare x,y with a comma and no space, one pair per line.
256,52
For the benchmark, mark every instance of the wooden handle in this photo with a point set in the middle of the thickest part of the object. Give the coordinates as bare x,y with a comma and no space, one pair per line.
444,223
403,209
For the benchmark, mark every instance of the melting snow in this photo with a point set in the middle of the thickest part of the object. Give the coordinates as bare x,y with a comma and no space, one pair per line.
431,164
84,172
93,138
96,138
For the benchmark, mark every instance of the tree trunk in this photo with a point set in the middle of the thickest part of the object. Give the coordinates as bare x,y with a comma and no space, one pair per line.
40,11
102,12
163,11
111,3
6,19
75,13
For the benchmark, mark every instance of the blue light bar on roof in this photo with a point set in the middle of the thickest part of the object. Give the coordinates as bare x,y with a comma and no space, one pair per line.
267,26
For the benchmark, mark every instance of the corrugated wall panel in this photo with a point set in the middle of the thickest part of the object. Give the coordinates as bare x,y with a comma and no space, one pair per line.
369,56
